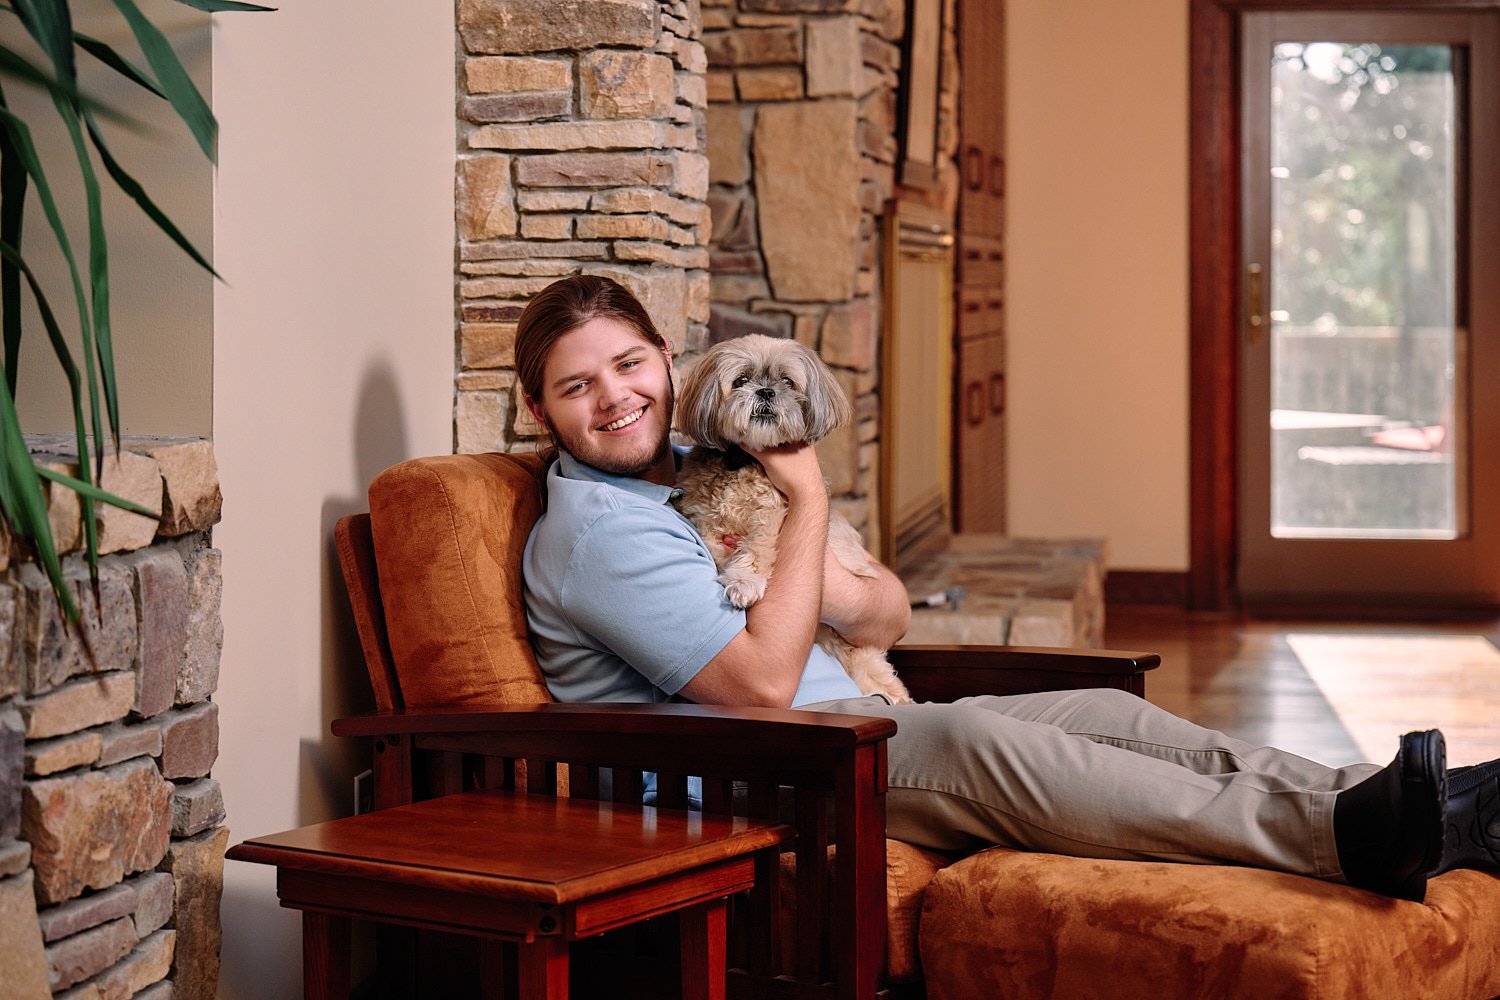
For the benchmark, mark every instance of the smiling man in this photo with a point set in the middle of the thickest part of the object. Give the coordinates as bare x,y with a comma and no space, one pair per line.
624,604
598,376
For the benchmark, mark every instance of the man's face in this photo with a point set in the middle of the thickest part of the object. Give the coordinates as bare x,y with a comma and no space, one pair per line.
607,398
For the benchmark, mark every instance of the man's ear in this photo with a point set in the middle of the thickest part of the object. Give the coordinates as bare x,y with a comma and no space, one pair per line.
536,410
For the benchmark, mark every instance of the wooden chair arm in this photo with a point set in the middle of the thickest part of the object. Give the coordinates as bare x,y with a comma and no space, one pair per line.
786,745
944,673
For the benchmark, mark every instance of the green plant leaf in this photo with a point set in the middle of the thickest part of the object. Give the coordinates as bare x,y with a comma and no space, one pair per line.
21,485
99,287
21,137
70,370
109,57
12,257
215,6
15,65
93,492
18,67
21,494
12,210
129,185
51,24
174,80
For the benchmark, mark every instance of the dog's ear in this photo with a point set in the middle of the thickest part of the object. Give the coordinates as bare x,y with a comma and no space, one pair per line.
699,399
827,408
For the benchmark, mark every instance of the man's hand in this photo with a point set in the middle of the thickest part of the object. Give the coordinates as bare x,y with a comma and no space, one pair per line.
794,470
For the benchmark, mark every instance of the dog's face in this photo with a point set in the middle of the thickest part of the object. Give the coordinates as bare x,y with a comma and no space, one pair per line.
758,392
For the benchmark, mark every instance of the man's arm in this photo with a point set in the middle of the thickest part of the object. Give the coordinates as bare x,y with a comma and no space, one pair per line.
866,611
762,665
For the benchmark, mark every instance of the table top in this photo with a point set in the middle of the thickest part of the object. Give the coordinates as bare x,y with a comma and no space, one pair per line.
515,846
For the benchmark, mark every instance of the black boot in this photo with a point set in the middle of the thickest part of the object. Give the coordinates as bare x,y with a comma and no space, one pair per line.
1472,819
1389,827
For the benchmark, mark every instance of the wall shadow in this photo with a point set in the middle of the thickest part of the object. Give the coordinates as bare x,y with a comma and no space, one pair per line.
328,764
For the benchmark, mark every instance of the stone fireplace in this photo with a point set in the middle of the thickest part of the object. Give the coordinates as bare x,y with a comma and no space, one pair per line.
581,149
731,161
727,160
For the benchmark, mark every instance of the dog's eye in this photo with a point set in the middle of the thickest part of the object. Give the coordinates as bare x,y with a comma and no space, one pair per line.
788,380
740,380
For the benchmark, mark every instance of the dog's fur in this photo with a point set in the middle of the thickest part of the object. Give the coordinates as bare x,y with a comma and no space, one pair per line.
758,392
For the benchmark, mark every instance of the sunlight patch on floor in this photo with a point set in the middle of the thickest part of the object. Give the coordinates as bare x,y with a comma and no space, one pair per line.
1383,686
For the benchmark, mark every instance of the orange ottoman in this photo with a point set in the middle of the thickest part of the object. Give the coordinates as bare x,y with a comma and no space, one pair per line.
1009,924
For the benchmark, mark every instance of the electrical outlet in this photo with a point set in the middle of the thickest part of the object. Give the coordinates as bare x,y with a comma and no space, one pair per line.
364,792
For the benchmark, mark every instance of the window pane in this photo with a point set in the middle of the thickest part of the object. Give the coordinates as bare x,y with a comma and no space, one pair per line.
1362,291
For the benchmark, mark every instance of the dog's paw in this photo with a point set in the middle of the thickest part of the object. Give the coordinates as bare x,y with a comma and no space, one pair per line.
743,590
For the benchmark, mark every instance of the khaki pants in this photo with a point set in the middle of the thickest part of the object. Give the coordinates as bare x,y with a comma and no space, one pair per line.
1102,774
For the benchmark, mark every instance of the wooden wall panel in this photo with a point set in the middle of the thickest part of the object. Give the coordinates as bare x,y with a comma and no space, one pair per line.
979,461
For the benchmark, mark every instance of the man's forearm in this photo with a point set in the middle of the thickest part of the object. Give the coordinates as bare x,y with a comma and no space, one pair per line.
866,611
787,616
763,664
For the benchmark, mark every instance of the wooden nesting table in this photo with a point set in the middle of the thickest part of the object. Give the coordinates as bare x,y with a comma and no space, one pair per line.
536,870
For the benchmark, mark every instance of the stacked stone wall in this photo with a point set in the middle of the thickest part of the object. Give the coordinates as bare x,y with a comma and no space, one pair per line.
802,159
661,141
111,825
581,149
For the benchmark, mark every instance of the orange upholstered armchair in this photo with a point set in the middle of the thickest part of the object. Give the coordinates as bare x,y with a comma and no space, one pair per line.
433,573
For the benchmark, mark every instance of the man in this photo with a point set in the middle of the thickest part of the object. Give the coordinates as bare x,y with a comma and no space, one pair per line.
623,604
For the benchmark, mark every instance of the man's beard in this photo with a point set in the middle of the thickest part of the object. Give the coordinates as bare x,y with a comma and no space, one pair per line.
621,464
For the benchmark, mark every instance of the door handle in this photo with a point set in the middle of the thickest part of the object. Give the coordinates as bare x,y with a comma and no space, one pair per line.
974,404
1254,305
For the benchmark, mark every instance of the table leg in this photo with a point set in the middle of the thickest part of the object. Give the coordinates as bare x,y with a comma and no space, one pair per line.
702,937
325,956
491,969
543,969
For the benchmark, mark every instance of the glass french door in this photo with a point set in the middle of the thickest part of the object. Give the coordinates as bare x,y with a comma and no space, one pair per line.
1370,391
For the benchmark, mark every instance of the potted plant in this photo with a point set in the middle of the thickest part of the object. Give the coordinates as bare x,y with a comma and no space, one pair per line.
94,398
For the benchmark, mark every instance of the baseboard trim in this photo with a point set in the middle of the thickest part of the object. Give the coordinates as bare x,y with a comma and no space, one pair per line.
1139,586
1382,607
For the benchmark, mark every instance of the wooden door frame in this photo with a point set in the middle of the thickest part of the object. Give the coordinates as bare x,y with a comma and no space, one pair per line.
1214,283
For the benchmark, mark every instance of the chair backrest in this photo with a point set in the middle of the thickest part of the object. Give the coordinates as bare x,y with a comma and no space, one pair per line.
434,575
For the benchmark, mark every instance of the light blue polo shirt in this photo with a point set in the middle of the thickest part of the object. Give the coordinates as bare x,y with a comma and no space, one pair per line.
622,596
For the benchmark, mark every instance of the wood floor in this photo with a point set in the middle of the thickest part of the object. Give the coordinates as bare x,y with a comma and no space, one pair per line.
1242,677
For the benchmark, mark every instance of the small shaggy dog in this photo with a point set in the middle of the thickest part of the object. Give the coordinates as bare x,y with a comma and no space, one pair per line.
758,392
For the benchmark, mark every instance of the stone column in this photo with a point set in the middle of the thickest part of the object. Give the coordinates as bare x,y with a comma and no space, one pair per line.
581,149
802,152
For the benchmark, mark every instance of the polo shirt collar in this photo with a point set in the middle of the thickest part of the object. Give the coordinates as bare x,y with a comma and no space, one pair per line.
570,468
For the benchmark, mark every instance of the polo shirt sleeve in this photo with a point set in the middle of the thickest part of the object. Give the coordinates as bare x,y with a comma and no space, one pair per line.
641,584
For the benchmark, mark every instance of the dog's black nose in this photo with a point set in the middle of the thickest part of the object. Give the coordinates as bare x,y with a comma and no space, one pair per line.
767,393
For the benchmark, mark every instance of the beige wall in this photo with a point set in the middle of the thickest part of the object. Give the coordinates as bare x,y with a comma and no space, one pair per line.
333,358
1098,274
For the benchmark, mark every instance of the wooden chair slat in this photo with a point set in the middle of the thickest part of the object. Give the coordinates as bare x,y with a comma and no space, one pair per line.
671,790
812,886
541,777
718,796
583,781
444,773
629,785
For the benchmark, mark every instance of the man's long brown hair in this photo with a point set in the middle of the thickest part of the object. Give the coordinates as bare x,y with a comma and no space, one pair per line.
563,307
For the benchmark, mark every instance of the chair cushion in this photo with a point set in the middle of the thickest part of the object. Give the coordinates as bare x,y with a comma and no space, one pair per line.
1013,924
908,870
448,535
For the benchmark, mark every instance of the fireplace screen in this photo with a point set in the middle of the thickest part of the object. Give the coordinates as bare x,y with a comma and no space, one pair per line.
916,385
